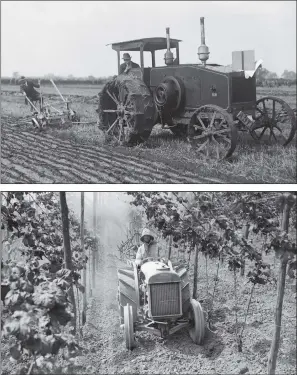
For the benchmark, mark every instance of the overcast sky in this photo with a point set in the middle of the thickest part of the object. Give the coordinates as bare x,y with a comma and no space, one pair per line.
70,37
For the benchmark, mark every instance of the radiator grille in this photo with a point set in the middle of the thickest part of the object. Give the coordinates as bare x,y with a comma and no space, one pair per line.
165,299
243,90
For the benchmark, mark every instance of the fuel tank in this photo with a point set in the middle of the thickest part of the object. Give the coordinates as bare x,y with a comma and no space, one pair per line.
157,271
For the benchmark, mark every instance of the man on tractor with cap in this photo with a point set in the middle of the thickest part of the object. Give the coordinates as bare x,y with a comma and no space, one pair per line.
27,87
148,248
128,64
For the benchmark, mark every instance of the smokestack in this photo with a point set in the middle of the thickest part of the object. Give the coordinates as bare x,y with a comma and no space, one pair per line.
203,51
168,55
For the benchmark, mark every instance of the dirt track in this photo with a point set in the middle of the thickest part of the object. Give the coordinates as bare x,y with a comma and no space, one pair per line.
105,352
30,157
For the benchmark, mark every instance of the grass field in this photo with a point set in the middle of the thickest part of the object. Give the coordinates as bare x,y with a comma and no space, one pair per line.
162,153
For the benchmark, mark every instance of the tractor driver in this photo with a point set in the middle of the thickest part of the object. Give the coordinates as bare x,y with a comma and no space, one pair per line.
128,64
148,248
27,87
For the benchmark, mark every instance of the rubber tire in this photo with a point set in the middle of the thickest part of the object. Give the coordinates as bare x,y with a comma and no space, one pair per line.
197,332
128,327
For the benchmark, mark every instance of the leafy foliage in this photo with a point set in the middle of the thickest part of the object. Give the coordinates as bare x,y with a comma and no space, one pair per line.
38,304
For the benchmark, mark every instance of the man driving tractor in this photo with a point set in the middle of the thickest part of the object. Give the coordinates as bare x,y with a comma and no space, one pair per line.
128,64
148,248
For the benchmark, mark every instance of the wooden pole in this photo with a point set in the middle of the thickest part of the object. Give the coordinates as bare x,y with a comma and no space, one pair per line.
195,280
289,200
170,247
245,234
84,278
95,201
67,248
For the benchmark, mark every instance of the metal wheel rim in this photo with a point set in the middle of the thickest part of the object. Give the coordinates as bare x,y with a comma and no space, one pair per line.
121,128
273,124
212,126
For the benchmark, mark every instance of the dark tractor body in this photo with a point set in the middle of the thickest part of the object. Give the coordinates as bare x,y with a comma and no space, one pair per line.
205,103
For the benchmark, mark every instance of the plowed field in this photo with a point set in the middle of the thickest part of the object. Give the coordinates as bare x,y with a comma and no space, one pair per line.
78,155
29,157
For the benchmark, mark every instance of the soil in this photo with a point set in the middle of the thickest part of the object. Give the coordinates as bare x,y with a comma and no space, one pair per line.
78,154
105,351
41,157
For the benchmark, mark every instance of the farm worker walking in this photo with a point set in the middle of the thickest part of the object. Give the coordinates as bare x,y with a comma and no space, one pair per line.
27,86
148,248
128,64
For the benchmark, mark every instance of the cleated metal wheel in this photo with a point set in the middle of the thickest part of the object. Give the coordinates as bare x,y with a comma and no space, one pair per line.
275,121
196,322
126,110
212,131
128,327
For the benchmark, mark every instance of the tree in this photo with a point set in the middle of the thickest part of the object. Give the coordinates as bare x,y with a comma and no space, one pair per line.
91,78
37,305
15,77
272,75
290,75
67,248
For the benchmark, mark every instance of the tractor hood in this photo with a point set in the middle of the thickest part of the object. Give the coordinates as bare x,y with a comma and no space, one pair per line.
158,272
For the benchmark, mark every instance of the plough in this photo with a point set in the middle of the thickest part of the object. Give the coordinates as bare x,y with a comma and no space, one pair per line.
48,115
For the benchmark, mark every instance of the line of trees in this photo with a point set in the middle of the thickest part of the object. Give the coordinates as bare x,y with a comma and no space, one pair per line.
265,78
70,79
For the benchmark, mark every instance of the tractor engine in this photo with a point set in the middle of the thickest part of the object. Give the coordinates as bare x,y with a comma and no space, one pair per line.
169,95
163,291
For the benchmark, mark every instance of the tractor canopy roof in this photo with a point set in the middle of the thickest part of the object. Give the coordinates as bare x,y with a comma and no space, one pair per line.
149,44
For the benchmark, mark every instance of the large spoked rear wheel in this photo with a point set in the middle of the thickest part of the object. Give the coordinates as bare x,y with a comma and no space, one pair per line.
196,322
126,111
275,121
213,132
128,327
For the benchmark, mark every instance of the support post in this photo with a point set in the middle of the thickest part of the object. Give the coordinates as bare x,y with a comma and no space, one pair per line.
84,272
119,61
195,280
177,54
95,202
153,59
289,200
141,58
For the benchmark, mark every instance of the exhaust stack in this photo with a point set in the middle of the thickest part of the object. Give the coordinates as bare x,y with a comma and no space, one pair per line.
168,55
203,51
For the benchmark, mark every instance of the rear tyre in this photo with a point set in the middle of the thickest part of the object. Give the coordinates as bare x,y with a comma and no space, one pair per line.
128,327
126,110
196,322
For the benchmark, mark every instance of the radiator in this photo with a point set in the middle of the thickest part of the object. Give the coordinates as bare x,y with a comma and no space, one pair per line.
165,299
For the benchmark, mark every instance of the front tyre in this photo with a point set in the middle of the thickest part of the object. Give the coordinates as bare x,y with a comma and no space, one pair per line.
196,322
128,327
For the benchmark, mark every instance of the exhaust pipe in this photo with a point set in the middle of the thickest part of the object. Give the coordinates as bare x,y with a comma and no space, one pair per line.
168,55
203,51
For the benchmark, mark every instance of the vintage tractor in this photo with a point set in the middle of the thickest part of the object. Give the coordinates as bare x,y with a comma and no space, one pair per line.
205,103
156,298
